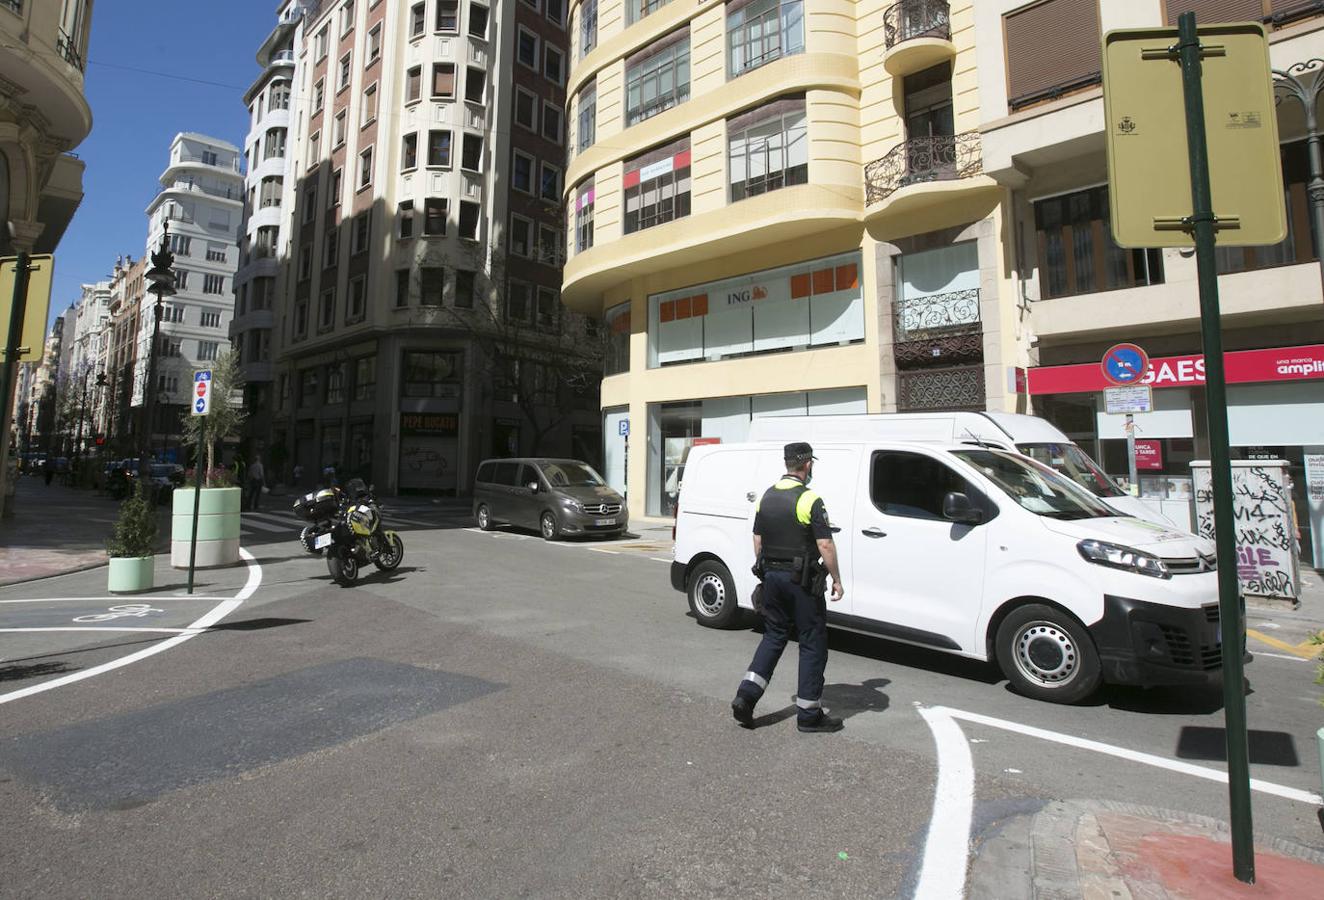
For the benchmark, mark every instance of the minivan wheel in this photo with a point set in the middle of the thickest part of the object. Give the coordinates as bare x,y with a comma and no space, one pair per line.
712,595
1048,655
484,519
547,525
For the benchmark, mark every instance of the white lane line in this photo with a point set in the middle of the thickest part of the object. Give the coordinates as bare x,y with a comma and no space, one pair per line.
1259,653
114,597
660,559
602,550
92,628
947,847
1148,759
205,621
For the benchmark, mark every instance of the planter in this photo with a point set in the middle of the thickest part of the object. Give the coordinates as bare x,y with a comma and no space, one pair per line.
218,527
130,574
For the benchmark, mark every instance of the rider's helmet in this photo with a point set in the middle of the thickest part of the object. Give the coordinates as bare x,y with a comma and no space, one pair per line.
362,519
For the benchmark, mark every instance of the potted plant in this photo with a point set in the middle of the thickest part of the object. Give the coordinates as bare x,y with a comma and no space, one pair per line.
219,497
131,546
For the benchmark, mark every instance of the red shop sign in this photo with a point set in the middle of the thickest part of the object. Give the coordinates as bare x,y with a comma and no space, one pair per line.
1149,455
1242,367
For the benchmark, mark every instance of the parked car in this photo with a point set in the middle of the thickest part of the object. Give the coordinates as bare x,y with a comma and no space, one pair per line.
974,551
559,497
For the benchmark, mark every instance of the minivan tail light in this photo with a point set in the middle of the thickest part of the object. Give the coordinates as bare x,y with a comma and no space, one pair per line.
674,516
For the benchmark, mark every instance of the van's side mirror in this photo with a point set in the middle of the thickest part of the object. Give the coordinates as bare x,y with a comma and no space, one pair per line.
533,486
958,508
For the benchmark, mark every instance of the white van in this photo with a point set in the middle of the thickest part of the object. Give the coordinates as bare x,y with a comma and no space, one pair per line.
1028,435
980,552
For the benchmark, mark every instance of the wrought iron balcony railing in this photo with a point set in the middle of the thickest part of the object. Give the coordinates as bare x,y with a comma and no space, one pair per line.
943,157
910,19
937,315
65,46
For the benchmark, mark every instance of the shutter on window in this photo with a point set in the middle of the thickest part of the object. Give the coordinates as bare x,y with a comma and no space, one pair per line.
1051,45
1209,11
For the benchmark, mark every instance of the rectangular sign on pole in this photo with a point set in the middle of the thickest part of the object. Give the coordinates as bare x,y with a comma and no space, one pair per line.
201,392
1126,400
32,342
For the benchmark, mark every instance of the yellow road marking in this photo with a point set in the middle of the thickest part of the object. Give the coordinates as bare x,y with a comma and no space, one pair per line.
1306,650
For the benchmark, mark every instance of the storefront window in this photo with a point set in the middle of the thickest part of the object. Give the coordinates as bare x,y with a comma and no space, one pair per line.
616,351
812,304
1077,254
431,374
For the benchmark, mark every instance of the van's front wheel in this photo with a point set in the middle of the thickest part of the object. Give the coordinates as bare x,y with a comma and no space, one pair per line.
1047,655
712,595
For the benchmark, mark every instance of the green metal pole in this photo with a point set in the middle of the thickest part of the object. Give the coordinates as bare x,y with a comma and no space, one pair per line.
197,498
9,380
1220,468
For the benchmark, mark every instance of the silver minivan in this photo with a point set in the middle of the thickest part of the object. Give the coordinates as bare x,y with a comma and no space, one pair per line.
558,497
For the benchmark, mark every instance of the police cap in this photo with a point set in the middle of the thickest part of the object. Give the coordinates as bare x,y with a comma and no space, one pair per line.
797,453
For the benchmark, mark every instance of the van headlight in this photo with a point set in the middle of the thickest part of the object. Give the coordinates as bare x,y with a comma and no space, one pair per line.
1115,556
573,504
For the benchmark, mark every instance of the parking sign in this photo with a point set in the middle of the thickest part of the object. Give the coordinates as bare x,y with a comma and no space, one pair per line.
202,392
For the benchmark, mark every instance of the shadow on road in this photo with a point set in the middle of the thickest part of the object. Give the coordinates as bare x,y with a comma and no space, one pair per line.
1267,748
257,624
847,700
37,670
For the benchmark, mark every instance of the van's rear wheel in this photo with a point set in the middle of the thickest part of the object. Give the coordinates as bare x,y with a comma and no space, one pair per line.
712,595
1048,655
484,518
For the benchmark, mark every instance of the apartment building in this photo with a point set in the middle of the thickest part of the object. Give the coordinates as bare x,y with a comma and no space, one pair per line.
127,290
44,389
418,328
200,204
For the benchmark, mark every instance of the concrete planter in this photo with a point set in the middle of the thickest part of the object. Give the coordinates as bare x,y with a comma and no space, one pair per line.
218,527
130,574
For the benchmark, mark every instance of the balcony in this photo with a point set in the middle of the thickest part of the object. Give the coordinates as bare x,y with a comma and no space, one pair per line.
927,183
917,34
937,330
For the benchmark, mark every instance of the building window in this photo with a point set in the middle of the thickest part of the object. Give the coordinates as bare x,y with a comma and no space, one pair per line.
1077,254
616,348
518,305
658,79
358,290
362,230
521,175
434,374
265,245
333,199
401,288
1052,48
342,79
365,168
526,109
405,213
551,122
471,152
338,129
213,284
434,215
554,10
469,220
375,44
269,192
475,83
637,9
320,44
432,284
207,350
526,48
213,319
549,246
439,148
319,95
346,17
368,111
443,80
181,279
1297,247
413,84
553,64
180,244
465,283
548,301
314,148
768,149
549,182
327,313
305,263
301,318
335,383
521,236
331,248
657,186
762,31
308,385
588,115
588,26
409,152
448,16
275,144
418,18
477,21
365,377
279,97
584,216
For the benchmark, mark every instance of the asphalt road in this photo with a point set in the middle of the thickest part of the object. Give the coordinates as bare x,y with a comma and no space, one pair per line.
503,717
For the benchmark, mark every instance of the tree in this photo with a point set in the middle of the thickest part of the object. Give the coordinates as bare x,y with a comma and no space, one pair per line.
227,411
539,359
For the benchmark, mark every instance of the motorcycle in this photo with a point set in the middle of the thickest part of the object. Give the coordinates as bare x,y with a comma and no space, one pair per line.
357,538
320,509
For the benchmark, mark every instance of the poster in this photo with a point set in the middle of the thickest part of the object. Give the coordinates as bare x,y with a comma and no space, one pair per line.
1268,560
429,445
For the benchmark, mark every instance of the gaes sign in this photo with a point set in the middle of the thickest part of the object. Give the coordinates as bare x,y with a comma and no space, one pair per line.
202,392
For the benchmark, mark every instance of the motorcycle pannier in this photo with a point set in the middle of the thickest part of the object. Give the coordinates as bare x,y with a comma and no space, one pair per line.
317,505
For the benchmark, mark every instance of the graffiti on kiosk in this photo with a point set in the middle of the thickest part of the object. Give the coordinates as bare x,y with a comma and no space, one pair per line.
1266,545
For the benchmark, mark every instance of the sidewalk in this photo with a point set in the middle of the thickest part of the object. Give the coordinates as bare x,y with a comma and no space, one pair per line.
1097,849
57,529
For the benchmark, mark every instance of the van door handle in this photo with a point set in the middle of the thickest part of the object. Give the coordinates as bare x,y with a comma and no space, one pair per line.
874,532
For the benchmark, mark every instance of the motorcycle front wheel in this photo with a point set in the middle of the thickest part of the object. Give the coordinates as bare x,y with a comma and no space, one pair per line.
344,568
389,558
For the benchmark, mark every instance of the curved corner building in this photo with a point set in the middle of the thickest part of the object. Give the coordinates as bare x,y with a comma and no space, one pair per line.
778,208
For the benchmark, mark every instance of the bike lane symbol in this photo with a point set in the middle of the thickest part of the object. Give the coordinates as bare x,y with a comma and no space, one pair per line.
128,610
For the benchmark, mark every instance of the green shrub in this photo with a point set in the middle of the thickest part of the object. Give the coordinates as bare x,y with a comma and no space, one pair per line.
135,531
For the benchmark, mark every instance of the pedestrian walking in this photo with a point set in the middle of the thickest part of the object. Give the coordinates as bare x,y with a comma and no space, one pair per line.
298,475
793,555
257,480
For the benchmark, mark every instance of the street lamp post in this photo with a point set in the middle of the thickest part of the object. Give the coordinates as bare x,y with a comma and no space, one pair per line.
163,409
1304,82
162,284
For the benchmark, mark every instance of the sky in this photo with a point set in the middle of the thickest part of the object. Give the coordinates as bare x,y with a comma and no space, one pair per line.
155,68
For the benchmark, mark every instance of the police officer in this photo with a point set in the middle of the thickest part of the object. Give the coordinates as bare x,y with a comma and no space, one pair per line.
791,532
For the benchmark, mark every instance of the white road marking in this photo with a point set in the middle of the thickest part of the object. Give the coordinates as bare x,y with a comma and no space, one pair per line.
416,522
604,550
92,628
661,559
112,597
1259,653
1148,759
947,846
205,621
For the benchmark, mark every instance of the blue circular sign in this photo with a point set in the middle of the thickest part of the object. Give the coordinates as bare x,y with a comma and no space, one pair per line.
200,405
1125,364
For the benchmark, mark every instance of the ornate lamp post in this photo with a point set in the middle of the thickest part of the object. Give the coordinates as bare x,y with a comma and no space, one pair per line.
162,285
1304,82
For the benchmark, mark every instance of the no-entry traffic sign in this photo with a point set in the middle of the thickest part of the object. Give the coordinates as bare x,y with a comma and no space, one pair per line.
1125,364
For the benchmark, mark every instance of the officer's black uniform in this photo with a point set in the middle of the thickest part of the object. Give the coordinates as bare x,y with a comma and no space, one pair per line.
789,521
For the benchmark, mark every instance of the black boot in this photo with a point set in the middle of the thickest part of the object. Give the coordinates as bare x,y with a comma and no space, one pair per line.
742,709
824,722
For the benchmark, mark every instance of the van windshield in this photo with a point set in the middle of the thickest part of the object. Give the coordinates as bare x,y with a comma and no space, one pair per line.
1074,463
571,474
1034,486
